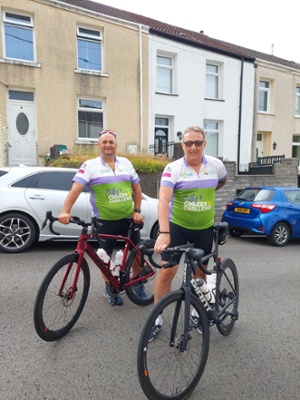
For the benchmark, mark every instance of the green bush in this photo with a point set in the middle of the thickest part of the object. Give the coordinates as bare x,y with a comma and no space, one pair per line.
143,163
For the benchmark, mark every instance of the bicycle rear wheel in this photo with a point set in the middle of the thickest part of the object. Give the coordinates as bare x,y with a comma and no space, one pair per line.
56,310
227,296
141,293
165,369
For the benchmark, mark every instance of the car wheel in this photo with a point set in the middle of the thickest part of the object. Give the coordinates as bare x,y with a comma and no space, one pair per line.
235,233
17,233
154,232
280,235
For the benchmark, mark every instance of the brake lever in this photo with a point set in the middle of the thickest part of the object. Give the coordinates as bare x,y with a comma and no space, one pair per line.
51,219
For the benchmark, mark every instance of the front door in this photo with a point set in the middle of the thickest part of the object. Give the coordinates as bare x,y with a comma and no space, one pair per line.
22,140
259,145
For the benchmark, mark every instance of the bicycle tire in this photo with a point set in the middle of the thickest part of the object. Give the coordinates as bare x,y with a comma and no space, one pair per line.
55,315
165,371
148,283
225,292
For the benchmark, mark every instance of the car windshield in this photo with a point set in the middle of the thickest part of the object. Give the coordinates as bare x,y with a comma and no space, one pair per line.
256,194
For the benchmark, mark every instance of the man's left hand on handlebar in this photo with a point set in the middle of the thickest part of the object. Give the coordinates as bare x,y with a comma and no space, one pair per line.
137,217
162,242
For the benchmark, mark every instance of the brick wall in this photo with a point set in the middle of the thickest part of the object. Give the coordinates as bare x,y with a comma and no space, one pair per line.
284,174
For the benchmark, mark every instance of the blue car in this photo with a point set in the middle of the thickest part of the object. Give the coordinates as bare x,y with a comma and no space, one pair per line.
270,211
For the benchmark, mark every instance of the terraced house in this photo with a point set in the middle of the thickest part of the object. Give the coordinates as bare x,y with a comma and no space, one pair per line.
70,68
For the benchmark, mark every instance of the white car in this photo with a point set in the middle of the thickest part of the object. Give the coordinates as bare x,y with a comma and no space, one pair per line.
27,193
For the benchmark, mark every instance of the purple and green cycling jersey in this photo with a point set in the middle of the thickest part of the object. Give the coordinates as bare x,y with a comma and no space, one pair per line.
111,191
193,200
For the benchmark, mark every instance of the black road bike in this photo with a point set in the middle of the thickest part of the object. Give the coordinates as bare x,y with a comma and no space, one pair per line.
171,366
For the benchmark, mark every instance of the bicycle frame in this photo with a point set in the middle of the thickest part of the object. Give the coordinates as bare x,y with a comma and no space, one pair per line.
83,246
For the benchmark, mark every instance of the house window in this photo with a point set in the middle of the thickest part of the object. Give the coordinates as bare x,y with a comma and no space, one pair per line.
89,49
296,147
164,77
297,108
264,96
90,118
212,133
18,34
212,81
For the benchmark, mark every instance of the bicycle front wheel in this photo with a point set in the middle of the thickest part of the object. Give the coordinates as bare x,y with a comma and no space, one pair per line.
57,306
141,293
168,367
227,296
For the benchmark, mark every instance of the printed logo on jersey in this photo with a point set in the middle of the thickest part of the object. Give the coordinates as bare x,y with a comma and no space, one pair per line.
194,203
116,196
82,169
167,172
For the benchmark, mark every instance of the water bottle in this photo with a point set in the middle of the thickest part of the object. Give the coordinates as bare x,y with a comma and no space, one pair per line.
204,289
115,269
211,284
103,255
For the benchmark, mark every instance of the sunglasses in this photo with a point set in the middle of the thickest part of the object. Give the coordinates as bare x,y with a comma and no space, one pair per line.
197,143
108,131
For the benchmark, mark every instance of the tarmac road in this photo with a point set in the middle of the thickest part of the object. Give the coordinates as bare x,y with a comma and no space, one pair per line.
97,359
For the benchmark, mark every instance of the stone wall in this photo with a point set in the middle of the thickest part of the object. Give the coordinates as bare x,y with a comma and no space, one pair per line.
284,174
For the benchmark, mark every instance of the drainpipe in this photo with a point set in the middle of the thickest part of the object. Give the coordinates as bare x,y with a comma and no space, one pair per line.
240,116
141,90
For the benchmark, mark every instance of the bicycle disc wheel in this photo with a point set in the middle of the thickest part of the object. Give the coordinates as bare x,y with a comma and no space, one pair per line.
165,369
55,310
141,293
227,291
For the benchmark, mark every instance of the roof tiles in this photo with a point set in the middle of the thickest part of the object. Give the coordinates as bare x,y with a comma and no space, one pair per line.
198,39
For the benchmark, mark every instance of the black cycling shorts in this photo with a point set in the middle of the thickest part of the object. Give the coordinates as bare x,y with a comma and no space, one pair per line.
119,227
202,239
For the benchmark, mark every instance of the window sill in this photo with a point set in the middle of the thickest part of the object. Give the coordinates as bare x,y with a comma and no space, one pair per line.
89,72
167,94
213,99
265,113
86,141
20,62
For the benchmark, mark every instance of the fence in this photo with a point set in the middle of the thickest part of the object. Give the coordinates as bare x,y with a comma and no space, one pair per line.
161,148
263,165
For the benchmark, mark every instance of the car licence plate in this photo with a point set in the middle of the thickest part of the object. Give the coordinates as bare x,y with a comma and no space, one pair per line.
242,210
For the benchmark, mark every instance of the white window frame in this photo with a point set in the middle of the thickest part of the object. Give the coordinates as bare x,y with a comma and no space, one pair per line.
296,148
19,20
168,71
265,92
90,136
92,36
213,76
297,101
212,137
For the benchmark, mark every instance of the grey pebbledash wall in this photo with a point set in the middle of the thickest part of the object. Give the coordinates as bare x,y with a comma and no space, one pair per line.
284,174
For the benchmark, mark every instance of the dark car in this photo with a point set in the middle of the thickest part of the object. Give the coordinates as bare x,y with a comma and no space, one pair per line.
270,211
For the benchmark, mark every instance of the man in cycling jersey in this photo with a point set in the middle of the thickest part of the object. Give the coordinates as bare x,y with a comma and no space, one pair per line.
112,182
186,206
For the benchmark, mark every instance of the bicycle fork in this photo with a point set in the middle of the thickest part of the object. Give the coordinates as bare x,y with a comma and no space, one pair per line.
69,293
182,343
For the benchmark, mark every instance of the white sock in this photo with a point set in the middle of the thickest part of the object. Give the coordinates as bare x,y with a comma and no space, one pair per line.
194,313
159,320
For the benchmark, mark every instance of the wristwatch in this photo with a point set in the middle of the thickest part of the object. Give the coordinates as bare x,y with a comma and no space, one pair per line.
137,210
